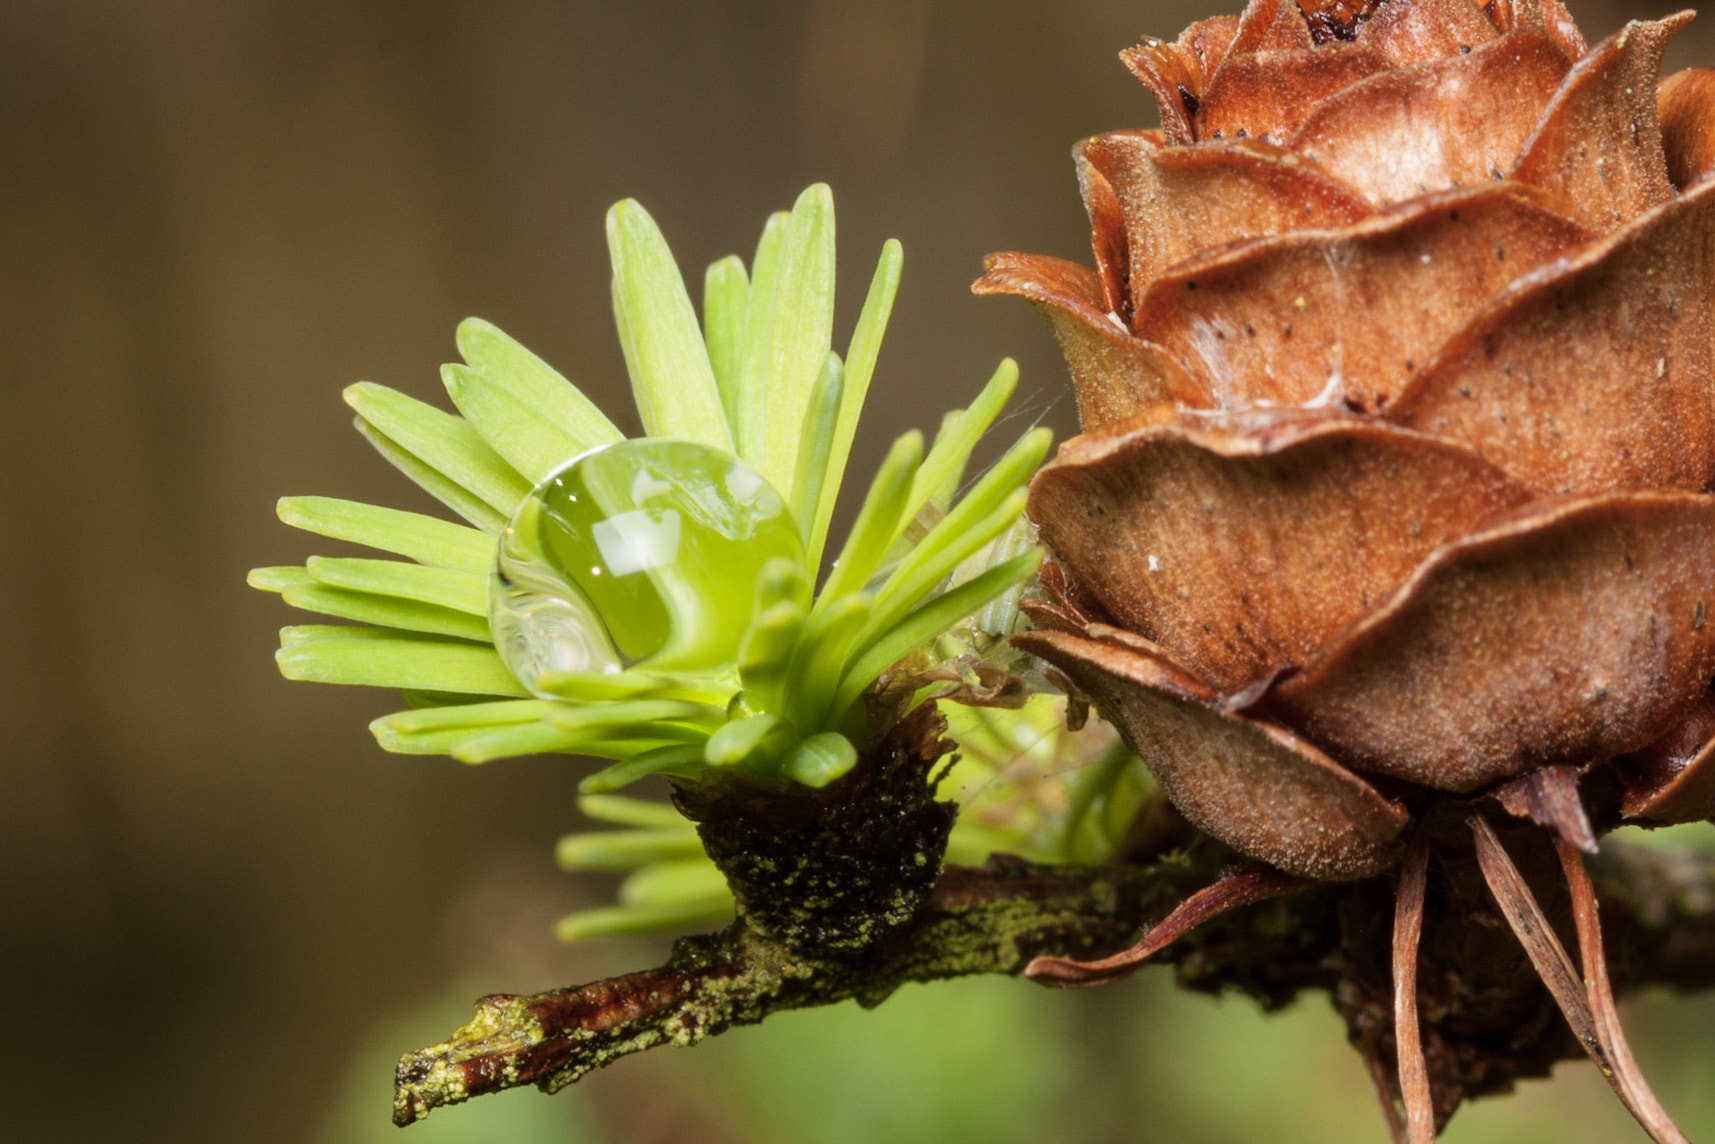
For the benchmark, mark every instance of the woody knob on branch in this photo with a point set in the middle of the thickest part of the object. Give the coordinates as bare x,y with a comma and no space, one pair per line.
1388,541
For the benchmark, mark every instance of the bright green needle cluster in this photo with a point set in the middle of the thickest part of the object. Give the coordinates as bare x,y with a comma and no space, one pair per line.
756,379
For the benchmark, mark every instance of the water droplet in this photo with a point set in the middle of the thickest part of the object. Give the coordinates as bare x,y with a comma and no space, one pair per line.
642,552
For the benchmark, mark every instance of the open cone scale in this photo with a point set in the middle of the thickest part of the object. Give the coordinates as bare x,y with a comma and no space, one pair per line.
1396,369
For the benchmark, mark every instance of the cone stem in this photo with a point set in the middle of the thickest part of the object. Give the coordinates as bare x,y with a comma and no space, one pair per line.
1408,1039
1628,1080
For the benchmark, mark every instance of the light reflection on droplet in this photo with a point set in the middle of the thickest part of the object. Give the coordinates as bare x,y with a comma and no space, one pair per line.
644,551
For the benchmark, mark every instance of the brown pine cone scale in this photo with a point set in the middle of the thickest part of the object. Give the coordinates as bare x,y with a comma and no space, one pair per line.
1396,373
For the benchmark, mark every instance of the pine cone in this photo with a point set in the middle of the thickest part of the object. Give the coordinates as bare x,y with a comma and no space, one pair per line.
1397,379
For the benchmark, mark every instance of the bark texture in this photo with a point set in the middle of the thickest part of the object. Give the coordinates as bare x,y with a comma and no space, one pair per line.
1487,1020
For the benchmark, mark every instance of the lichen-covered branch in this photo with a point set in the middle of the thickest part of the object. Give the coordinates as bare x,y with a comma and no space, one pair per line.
988,920
1660,906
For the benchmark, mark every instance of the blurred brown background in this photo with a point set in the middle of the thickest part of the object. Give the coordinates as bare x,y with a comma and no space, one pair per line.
222,908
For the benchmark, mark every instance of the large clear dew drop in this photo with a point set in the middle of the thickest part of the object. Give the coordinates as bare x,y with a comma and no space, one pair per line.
644,552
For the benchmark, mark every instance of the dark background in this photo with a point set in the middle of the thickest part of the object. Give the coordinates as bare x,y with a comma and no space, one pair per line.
223,910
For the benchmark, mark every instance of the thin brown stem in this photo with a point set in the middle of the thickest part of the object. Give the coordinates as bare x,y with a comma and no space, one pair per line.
1256,884
1628,1080
1385,1095
1408,1038
1519,906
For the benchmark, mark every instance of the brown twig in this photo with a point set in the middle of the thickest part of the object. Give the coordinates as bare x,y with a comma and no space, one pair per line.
992,919
996,919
